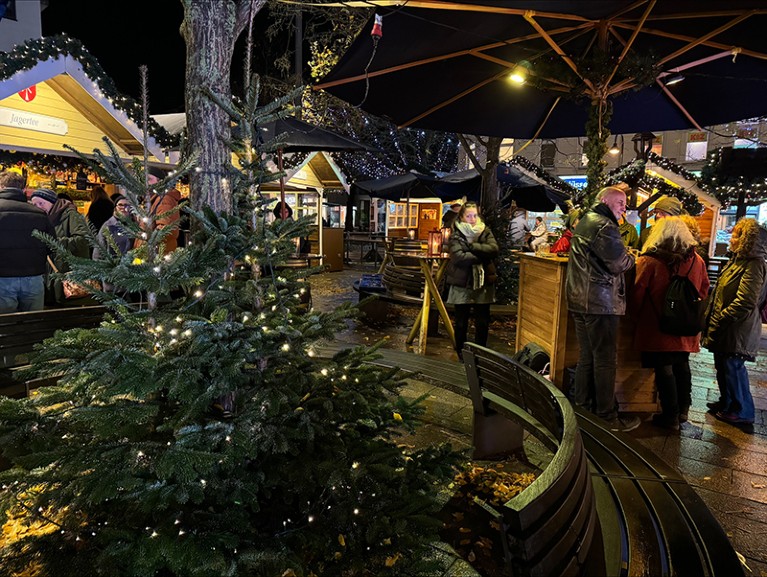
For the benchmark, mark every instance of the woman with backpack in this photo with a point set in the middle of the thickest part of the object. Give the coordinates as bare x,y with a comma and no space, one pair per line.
668,252
734,326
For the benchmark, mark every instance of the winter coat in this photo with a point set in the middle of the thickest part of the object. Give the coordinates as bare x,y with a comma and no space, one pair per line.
734,324
115,228
539,230
100,211
160,206
518,229
20,253
563,244
595,282
72,232
653,276
464,255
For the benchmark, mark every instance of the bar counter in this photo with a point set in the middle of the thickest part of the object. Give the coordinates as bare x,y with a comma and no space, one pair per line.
542,317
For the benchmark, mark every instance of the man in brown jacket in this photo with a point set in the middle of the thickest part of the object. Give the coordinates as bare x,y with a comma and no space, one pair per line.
162,204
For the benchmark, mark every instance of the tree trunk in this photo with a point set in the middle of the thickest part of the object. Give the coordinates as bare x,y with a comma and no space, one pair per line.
486,163
210,28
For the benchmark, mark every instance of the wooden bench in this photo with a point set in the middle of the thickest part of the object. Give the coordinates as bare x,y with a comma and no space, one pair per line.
651,520
552,526
20,332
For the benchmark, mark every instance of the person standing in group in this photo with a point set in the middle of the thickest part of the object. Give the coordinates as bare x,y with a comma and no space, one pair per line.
666,206
451,215
22,256
539,234
596,298
518,229
471,275
164,207
733,321
71,231
669,250
562,246
101,208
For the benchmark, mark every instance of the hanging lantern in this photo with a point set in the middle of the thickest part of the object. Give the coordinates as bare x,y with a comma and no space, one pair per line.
435,243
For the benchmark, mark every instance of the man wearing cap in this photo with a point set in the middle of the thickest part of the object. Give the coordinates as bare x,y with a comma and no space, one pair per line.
666,206
71,231
22,257
596,298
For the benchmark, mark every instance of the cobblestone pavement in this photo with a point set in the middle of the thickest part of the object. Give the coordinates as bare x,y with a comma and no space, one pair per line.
726,466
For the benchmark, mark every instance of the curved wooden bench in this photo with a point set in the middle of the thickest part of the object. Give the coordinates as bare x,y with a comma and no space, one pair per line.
552,527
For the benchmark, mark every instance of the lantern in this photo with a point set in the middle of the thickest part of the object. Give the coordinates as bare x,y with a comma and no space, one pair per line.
435,243
446,231
411,234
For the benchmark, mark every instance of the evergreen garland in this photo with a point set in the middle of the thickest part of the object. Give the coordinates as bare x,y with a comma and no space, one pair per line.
29,54
547,177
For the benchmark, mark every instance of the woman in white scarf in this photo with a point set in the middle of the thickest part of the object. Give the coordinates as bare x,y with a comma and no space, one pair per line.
471,275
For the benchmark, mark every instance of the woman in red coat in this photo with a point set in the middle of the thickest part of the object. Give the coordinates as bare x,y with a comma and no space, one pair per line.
669,250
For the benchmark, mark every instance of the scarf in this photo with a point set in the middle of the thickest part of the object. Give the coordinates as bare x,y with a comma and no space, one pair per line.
471,232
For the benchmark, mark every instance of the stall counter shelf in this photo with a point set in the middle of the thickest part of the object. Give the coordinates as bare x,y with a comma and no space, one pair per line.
542,317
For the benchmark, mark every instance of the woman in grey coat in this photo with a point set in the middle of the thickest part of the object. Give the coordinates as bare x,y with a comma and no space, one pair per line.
471,275
734,323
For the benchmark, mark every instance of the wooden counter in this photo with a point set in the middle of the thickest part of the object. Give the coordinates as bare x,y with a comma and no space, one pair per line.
542,317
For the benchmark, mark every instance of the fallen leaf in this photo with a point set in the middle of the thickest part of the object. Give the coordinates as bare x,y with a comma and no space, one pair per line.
758,485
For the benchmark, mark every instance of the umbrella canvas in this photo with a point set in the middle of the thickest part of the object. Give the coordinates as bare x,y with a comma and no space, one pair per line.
447,65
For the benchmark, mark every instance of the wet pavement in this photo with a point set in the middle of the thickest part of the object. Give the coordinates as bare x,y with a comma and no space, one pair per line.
726,465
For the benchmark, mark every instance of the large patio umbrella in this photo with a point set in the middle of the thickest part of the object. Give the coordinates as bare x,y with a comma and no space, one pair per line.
294,135
446,65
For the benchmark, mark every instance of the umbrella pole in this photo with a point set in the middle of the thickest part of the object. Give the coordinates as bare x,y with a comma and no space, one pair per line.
283,208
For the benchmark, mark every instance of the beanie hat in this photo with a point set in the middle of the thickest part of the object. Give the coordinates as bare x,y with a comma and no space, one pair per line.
670,205
45,194
157,172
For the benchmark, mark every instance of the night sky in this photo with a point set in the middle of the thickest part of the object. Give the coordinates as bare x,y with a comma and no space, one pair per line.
125,35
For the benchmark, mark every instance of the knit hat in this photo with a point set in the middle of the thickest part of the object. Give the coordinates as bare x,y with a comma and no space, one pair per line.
157,172
670,205
45,194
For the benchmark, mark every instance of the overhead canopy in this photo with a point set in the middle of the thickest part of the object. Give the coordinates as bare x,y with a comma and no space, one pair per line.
446,65
417,185
295,135
523,185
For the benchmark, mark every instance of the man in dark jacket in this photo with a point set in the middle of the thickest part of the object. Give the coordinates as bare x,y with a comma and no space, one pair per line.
596,297
22,257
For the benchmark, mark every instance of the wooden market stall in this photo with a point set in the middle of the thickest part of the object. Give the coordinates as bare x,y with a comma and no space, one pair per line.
59,101
543,318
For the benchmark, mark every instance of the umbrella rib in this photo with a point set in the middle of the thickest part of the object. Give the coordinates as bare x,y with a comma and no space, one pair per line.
628,44
451,100
467,52
530,17
705,37
708,43
678,104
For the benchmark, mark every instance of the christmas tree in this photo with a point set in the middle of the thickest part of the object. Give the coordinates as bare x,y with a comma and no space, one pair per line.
194,433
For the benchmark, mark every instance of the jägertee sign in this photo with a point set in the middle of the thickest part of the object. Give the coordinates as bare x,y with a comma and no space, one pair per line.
29,121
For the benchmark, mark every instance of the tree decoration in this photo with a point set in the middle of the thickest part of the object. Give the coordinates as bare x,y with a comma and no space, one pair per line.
197,433
728,188
27,55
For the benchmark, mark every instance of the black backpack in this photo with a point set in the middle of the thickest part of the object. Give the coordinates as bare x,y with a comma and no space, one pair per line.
532,355
683,310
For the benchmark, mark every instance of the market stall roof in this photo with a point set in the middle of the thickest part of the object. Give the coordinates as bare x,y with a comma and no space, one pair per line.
318,171
531,187
54,102
666,170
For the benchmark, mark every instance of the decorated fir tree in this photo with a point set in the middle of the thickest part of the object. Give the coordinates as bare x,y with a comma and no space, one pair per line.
194,433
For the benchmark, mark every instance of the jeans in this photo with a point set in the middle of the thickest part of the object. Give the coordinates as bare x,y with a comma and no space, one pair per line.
21,293
674,384
732,378
597,363
481,324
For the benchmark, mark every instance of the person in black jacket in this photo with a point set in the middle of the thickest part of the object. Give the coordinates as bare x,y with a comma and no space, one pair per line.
101,208
22,257
596,298
471,275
